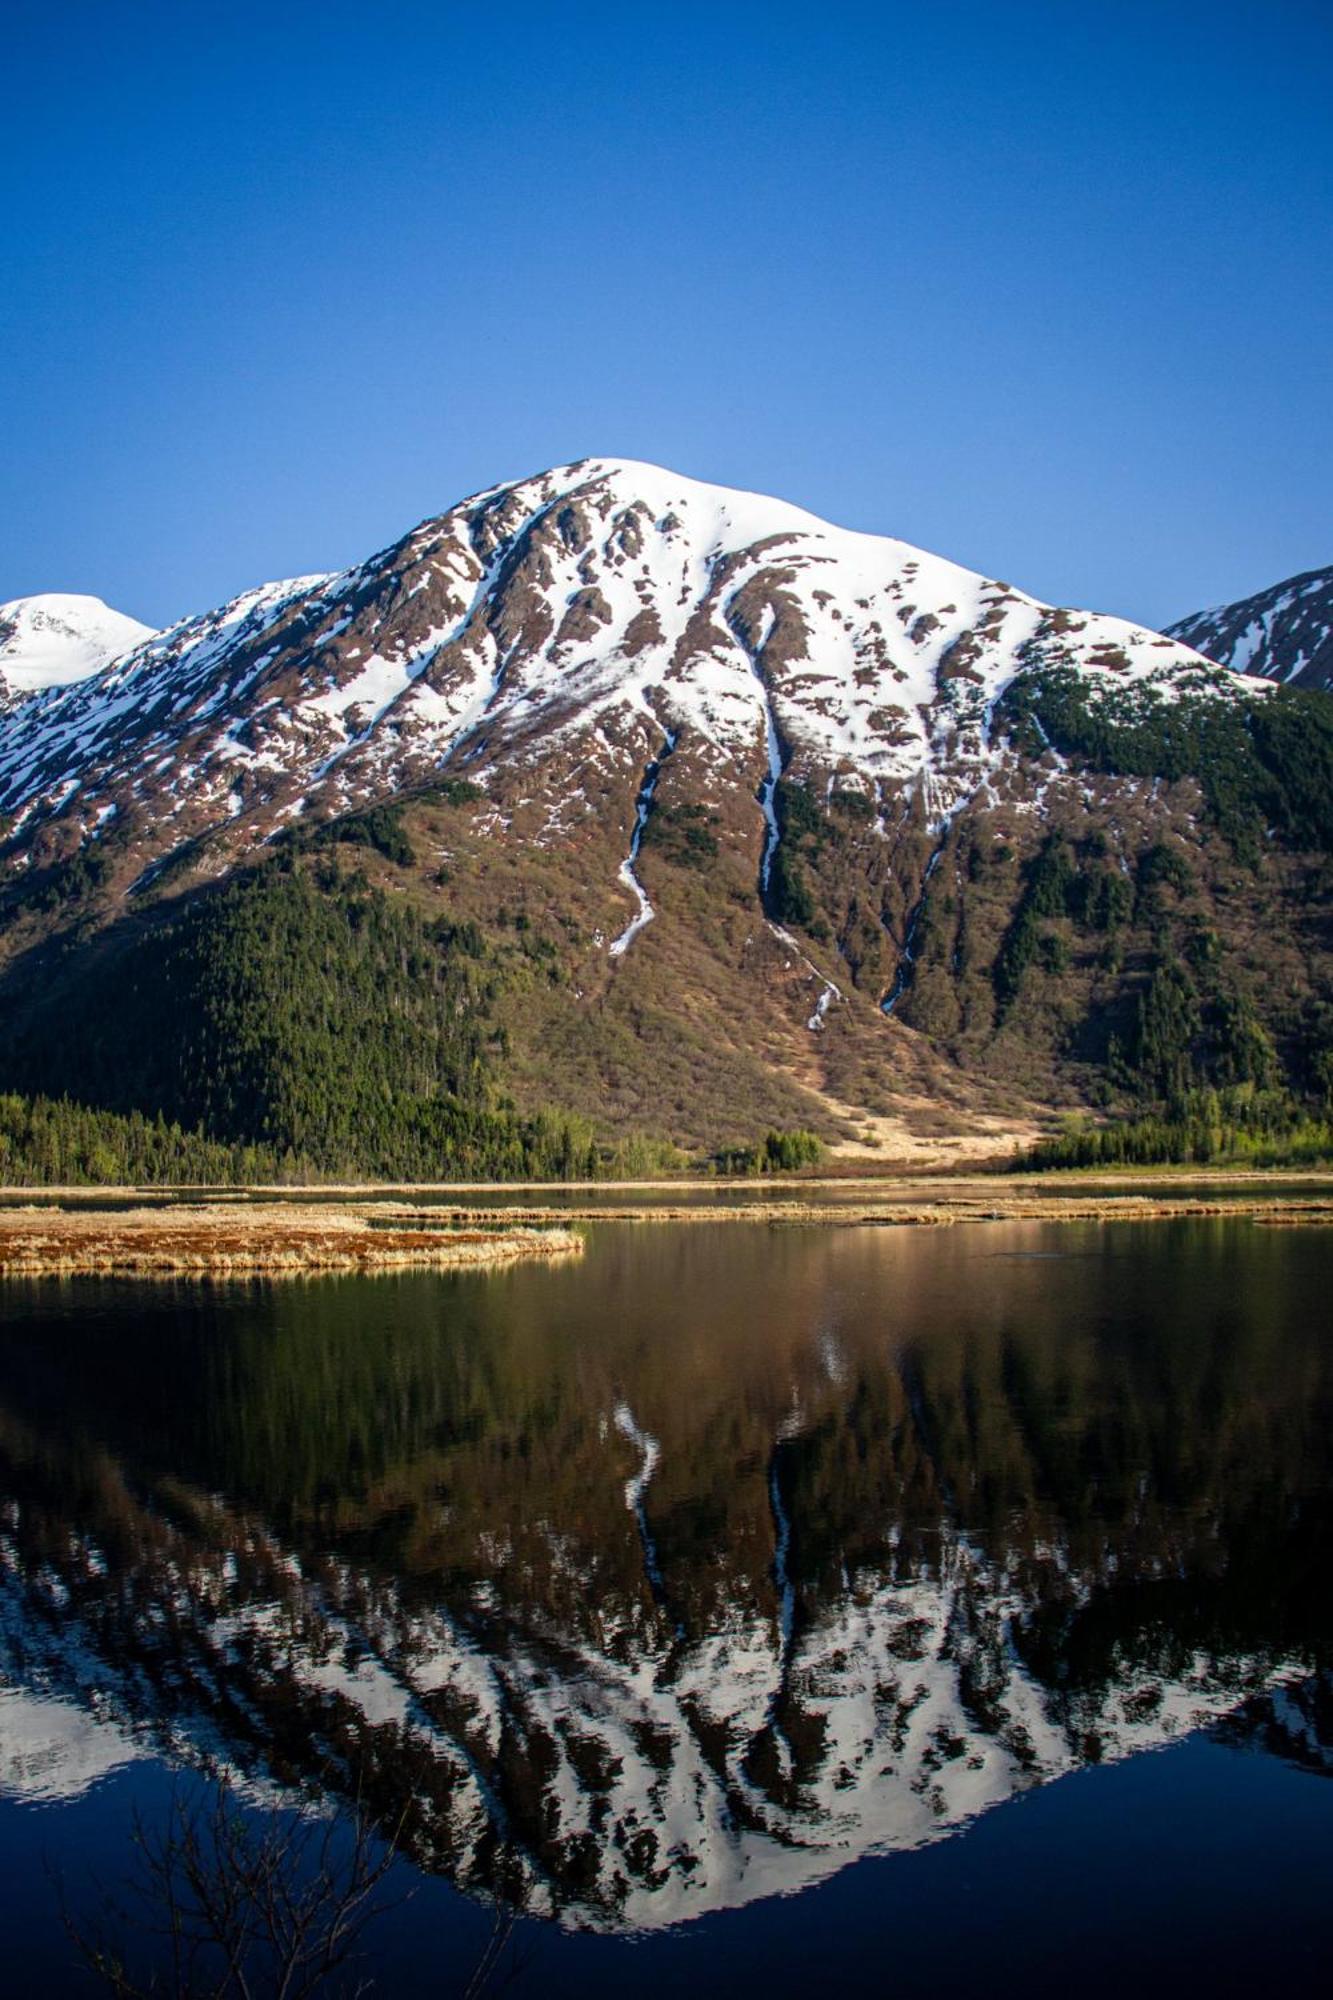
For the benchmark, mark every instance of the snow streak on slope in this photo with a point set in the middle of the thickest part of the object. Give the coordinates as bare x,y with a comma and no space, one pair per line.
902,977
643,805
53,640
768,789
828,991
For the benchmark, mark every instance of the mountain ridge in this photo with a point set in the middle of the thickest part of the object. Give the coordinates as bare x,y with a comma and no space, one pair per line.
533,625
801,823
1284,633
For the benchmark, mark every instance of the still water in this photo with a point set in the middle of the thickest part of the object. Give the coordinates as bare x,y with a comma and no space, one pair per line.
819,1607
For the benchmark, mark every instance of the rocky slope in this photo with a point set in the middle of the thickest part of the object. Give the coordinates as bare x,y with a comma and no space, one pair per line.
1284,633
768,794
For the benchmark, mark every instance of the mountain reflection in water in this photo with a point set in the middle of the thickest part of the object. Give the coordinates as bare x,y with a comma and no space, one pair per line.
693,1572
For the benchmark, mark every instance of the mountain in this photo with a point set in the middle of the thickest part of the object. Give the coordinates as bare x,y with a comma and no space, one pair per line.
1285,633
611,609
745,820
51,640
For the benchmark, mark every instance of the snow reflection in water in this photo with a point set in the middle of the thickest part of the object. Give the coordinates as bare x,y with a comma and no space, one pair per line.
881,1529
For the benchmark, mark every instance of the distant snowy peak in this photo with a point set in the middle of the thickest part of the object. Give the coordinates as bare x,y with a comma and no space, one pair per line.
588,618
51,640
1284,634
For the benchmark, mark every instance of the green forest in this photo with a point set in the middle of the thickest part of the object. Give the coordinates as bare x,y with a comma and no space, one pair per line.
1240,1126
1200,1069
294,1023
1265,763
46,1142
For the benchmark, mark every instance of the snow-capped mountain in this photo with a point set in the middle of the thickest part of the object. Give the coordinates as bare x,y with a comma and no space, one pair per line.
1285,633
783,781
627,608
52,640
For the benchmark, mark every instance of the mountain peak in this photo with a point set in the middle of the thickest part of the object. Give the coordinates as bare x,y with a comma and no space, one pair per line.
57,637
608,603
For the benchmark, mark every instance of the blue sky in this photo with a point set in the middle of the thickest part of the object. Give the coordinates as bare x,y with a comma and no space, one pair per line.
1045,287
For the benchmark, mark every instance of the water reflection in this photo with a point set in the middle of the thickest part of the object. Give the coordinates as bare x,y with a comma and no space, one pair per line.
687,1575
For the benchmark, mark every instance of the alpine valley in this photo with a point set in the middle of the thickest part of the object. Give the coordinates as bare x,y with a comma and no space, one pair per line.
610,815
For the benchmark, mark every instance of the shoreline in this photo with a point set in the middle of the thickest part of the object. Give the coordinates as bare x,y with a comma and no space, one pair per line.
250,1234
737,1188
919,1208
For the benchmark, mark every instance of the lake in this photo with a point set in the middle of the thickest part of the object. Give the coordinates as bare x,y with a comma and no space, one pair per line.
823,1607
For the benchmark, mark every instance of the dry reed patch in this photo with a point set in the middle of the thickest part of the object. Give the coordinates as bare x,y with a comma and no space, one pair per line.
224,1241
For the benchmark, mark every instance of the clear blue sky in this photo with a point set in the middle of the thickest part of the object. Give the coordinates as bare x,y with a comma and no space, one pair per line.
1045,287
